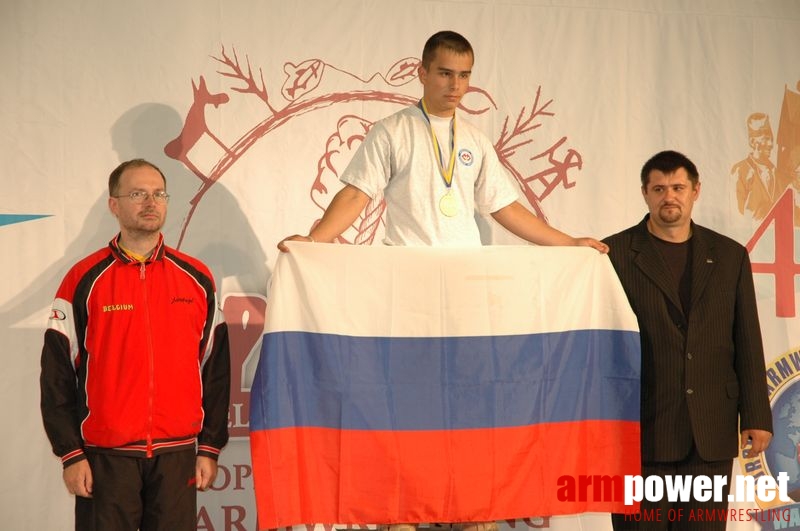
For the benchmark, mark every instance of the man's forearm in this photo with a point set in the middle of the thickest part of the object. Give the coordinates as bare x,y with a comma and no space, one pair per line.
524,224
344,209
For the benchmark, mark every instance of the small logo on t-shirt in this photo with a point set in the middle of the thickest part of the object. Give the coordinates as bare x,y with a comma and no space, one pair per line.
466,158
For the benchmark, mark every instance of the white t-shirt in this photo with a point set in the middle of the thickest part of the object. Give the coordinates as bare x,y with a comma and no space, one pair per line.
397,158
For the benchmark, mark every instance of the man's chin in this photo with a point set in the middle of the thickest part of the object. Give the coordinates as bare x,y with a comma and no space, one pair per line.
669,219
150,228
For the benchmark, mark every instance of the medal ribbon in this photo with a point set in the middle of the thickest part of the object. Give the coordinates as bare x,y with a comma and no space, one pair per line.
446,173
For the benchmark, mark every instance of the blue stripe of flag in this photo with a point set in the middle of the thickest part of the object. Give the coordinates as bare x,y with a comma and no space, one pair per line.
361,383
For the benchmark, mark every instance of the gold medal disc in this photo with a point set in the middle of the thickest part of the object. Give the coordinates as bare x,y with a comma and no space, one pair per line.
448,205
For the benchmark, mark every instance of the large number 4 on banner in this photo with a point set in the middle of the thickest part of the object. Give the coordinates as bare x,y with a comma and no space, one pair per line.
784,268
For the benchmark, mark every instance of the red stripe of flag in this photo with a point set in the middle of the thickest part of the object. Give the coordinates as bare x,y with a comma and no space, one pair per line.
380,477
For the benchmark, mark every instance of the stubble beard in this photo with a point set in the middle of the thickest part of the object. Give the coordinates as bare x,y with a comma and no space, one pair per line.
669,215
145,227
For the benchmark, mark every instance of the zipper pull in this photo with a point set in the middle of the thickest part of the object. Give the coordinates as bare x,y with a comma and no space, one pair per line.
141,270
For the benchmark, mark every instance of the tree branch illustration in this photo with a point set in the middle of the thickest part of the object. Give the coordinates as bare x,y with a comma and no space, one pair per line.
251,86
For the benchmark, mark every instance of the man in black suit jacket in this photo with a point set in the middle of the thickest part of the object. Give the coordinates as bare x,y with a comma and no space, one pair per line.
703,376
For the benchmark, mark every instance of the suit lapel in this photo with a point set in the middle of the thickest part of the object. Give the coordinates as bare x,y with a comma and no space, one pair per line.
649,261
703,263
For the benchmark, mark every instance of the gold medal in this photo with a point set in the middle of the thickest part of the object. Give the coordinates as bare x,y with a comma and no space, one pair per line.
448,205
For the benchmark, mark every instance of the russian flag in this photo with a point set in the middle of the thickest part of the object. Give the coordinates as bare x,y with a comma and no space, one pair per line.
413,384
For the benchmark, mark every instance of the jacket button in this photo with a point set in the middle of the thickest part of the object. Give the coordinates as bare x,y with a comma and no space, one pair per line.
689,356
689,391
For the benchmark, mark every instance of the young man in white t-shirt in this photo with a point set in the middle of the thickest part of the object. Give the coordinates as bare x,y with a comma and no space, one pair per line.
434,169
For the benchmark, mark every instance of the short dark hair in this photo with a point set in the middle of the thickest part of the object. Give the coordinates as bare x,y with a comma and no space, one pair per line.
113,178
669,162
449,40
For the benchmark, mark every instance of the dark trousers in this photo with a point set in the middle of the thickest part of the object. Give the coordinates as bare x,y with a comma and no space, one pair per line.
132,493
692,465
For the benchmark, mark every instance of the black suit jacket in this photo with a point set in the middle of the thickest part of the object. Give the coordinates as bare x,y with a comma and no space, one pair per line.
703,373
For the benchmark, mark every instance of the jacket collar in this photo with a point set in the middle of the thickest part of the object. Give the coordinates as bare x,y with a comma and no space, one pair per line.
122,256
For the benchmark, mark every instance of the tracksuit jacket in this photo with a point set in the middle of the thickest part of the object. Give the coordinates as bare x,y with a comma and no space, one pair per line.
135,359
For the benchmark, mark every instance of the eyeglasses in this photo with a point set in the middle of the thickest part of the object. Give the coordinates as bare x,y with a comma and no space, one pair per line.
140,197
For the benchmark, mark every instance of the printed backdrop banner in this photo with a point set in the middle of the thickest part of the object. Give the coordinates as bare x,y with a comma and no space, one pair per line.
253,108
426,385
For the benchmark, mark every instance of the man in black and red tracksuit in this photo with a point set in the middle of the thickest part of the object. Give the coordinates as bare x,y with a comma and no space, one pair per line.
135,377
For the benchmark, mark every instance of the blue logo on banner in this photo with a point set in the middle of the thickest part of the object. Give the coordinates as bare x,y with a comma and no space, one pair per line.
10,219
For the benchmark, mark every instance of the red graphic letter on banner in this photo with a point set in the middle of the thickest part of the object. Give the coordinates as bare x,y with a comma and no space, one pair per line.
784,268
